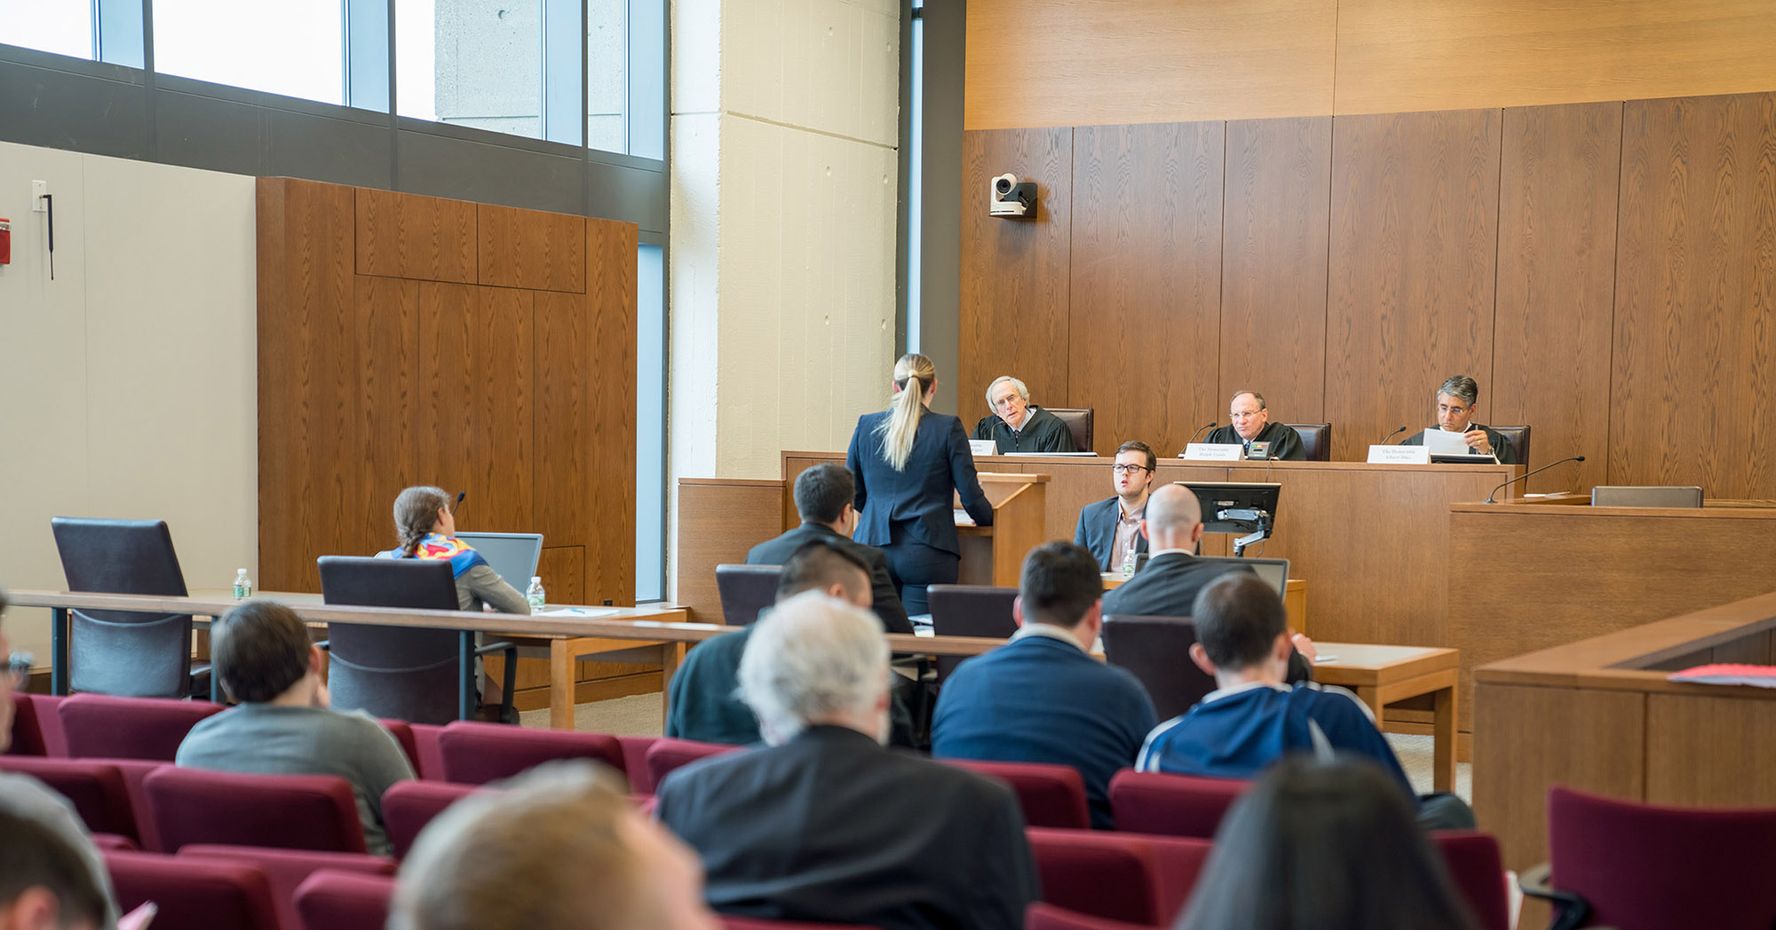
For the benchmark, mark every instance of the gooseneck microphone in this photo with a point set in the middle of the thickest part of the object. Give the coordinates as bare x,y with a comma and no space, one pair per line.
456,508
1573,458
1199,431
1397,431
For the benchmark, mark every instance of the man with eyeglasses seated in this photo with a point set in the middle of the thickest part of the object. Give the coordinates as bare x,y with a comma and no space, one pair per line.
1248,422
1111,528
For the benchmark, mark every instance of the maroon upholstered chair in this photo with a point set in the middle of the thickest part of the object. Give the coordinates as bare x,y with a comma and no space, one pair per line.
1478,870
759,923
635,757
1050,795
1641,866
114,842
409,805
46,709
1120,876
96,789
667,755
344,901
477,753
27,728
402,731
1174,805
193,895
430,761
1048,917
287,869
280,811
106,727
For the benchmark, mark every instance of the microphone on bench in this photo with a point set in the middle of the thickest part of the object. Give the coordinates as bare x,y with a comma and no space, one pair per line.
1574,458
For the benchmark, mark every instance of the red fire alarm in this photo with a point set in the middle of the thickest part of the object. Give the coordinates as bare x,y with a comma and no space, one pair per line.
5,241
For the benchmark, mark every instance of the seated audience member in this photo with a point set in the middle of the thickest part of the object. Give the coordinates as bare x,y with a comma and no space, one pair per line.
1017,425
557,848
1324,846
1254,718
283,724
1248,421
1111,528
1042,697
703,695
823,496
828,825
1456,400
427,529
50,874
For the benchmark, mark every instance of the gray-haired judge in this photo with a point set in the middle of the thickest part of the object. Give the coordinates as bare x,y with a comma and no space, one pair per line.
1018,425
1456,400
1248,422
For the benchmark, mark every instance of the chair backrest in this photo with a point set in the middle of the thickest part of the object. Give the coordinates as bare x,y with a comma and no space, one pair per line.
1518,437
635,762
1042,916
1050,795
193,893
282,811
344,901
116,652
28,738
668,755
1478,870
1156,650
477,753
759,923
969,610
407,674
96,789
1117,876
1646,496
105,727
287,869
1643,866
746,590
1172,805
407,806
1316,440
1079,423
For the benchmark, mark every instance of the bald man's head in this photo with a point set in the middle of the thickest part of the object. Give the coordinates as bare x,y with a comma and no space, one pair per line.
1173,518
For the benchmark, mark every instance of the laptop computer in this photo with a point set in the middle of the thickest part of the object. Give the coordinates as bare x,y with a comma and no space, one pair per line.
513,555
1273,571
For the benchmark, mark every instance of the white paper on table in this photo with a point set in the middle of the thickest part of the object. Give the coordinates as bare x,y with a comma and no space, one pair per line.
576,612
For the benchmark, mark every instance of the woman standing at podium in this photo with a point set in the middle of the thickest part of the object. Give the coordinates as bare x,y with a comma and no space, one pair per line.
910,464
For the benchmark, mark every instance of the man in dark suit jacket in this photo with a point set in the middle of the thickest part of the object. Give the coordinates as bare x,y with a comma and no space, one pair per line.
1111,528
825,824
823,496
1042,697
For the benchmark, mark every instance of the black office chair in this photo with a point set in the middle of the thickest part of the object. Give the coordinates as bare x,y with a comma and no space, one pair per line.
398,672
1079,423
746,590
969,610
1156,650
119,652
1316,440
1518,437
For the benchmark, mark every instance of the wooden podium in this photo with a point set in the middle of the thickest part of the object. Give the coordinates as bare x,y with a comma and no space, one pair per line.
994,554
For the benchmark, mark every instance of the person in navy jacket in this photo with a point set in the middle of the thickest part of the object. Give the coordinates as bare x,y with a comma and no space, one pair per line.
910,464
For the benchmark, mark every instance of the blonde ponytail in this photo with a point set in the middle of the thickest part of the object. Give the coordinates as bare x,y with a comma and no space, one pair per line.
913,375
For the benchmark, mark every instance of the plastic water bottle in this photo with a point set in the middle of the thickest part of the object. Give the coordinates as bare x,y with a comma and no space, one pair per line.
534,594
1128,561
243,586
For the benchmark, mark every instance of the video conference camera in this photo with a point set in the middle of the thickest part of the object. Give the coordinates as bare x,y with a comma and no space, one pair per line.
1008,197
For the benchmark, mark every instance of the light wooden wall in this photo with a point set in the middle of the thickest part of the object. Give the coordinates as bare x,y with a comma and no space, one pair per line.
1064,63
1602,269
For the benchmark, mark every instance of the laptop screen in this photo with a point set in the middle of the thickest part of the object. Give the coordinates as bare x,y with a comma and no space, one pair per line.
1275,572
513,555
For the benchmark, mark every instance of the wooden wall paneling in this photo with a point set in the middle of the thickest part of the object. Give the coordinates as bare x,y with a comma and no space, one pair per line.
1145,308
409,236
387,327
1686,764
530,249
1695,339
1556,285
610,254
1527,739
719,519
307,378
1411,264
1273,265
563,488
1013,314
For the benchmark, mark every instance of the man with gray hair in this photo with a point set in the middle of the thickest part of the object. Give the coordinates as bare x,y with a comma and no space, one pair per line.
1456,399
824,823
1018,425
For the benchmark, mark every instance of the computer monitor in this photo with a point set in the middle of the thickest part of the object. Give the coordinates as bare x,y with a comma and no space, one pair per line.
512,555
1247,508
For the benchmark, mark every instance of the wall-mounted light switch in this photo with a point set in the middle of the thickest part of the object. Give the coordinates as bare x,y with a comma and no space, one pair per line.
38,189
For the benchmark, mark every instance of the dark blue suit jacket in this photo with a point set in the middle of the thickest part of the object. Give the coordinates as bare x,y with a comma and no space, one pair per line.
919,500
1043,700
1097,531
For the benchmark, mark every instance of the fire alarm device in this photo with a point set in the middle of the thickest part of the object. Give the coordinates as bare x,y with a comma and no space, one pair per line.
5,241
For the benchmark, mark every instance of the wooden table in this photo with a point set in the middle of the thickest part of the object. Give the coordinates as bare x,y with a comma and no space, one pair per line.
1383,675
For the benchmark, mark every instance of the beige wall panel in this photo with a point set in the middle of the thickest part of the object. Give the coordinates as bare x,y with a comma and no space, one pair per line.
1065,63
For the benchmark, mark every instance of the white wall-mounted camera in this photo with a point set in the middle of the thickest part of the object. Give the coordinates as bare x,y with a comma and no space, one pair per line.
1008,197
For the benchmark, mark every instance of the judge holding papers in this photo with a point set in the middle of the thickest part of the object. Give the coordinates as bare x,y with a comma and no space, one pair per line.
1456,400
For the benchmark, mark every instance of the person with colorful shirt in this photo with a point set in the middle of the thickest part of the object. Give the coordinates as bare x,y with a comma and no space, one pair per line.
427,530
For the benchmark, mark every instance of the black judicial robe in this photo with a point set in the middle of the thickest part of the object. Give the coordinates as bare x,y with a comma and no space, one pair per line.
1042,432
1285,443
1506,454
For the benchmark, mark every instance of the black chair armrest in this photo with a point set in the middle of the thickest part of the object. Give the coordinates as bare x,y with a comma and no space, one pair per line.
1570,910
